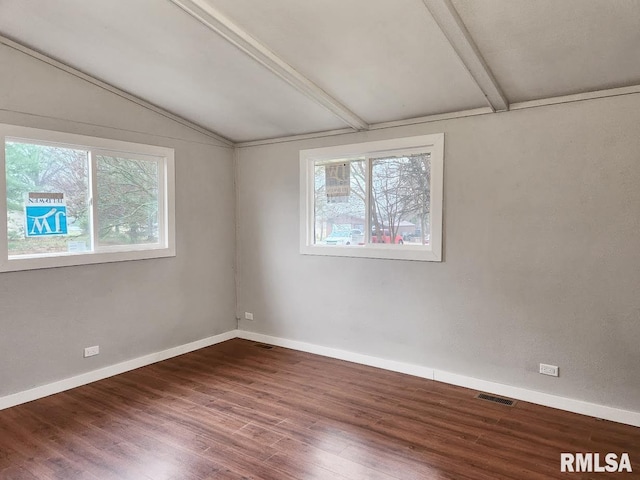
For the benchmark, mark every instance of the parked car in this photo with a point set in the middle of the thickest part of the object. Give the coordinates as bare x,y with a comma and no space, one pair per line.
357,237
343,237
384,236
415,237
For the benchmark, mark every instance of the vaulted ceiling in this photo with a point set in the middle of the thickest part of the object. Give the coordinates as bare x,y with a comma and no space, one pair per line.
255,69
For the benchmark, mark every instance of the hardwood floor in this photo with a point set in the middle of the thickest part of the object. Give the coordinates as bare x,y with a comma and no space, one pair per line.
236,410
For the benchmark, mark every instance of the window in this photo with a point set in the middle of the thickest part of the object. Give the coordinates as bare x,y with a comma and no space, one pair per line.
378,199
72,200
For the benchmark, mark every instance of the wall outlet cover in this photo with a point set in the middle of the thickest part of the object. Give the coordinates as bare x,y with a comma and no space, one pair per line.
91,351
552,370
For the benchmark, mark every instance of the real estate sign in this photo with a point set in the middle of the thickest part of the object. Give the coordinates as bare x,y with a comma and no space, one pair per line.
45,214
338,182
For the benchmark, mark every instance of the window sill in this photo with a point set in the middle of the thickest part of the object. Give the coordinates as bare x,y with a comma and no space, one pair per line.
35,262
387,252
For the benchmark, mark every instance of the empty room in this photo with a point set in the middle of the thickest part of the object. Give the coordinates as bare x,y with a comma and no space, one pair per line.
307,240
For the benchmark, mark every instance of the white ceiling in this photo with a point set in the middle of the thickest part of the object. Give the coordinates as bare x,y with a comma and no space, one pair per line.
383,59
316,66
546,48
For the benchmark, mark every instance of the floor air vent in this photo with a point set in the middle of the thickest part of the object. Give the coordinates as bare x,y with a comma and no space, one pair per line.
264,345
492,398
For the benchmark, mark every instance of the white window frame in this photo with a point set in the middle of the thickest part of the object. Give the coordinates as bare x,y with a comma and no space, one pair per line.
166,246
432,144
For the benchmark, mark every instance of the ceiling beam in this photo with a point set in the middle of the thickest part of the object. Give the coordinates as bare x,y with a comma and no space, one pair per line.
451,25
577,97
374,126
222,25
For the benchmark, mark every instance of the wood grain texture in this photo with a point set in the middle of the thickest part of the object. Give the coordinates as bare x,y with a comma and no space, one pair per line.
238,411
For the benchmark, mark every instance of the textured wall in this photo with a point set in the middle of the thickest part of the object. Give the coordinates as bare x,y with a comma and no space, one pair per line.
541,255
132,308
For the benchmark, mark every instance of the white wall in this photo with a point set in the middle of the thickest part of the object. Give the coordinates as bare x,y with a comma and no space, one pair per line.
134,308
541,255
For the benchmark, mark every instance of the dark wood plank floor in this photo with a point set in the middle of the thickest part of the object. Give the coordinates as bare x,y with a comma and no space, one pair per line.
236,410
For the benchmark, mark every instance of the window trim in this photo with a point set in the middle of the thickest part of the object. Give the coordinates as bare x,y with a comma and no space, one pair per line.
166,197
433,144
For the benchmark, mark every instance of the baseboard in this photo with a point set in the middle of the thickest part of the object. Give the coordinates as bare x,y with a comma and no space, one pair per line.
394,366
110,371
562,403
619,415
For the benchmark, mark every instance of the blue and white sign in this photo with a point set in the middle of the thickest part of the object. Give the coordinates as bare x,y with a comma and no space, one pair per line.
45,214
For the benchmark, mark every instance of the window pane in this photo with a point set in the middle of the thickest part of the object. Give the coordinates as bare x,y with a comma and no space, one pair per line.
339,200
50,184
400,199
127,201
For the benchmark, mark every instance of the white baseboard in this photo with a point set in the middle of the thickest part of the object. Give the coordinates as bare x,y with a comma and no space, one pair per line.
408,368
110,371
569,404
619,415
562,403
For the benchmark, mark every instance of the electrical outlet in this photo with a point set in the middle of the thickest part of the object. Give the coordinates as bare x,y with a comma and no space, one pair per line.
91,351
248,316
549,369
